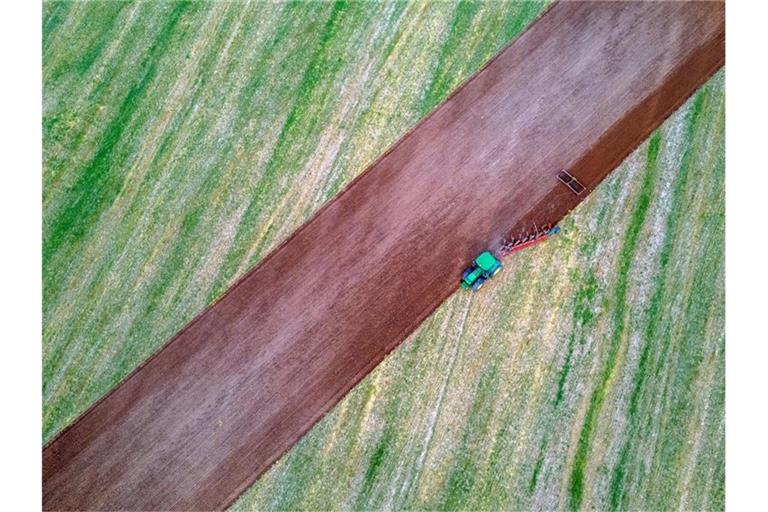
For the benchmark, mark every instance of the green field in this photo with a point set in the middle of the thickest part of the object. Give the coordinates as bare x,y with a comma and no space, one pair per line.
183,141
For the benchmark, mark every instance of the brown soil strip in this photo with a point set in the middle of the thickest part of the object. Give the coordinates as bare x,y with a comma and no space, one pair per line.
221,401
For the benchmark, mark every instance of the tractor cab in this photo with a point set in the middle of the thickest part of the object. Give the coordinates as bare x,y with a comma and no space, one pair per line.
483,268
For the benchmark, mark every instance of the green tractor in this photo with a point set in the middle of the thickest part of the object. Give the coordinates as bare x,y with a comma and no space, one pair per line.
483,268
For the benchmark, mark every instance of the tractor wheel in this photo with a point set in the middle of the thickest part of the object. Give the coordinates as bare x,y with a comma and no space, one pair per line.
478,284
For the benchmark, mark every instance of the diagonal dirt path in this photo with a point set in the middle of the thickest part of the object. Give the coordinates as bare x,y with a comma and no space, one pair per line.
199,421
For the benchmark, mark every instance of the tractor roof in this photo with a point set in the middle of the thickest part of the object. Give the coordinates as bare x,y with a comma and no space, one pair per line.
486,261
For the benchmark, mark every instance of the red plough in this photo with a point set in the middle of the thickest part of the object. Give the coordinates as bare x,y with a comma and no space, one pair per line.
528,240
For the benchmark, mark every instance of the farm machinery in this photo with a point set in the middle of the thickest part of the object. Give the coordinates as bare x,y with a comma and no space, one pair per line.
486,265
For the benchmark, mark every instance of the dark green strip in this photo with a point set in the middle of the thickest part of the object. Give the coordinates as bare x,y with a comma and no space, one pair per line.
98,184
576,485
323,65
445,77
464,472
657,302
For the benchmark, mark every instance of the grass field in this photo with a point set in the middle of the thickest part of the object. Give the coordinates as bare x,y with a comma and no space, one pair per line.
183,141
